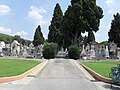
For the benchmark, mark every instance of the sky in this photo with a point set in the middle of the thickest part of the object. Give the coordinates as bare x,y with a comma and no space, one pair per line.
21,17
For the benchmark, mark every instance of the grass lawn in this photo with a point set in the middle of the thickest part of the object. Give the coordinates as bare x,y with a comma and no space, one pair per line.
102,68
13,67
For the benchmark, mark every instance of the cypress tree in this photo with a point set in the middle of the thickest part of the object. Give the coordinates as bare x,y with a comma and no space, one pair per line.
54,29
38,37
114,33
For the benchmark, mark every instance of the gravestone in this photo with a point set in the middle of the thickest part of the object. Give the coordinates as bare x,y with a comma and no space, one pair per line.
83,53
112,50
102,53
107,52
62,49
97,50
6,50
31,47
2,45
66,51
39,51
1,51
25,51
92,52
87,49
118,53
15,48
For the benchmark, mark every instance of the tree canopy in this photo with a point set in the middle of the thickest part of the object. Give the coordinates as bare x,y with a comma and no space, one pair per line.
38,37
92,14
73,24
8,39
81,16
114,33
54,29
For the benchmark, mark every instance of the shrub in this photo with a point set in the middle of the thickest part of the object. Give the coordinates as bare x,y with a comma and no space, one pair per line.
73,52
50,50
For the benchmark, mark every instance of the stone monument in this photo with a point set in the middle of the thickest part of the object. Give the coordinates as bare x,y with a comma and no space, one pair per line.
2,45
83,53
102,52
92,52
118,53
112,50
15,48
107,52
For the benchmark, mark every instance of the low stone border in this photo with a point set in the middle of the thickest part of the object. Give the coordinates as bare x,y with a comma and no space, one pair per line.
34,71
96,75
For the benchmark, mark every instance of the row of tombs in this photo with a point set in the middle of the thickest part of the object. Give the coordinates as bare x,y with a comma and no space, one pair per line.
96,51
91,51
16,49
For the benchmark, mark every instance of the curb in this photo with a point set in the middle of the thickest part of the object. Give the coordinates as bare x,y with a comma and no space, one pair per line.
96,75
34,71
88,75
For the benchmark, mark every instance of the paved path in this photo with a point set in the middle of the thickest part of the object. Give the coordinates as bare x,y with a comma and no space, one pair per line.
60,74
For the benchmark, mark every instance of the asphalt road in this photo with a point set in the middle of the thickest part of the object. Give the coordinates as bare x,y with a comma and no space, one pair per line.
59,74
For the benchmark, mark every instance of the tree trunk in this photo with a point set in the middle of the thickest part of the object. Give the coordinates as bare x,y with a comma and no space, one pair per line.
75,39
91,37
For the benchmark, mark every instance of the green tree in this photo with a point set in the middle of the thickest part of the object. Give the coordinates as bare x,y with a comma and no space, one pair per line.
91,37
114,33
6,38
92,14
54,29
23,42
81,16
73,24
18,38
104,43
74,1
38,37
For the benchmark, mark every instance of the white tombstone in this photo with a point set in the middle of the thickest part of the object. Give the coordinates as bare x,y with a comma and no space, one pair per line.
31,47
7,45
87,49
107,52
2,44
18,50
92,52
0,49
15,48
25,54
83,53
112,47
39,51
66,51
113,50
62,49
